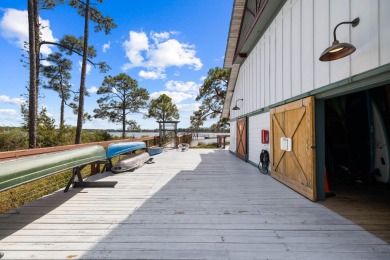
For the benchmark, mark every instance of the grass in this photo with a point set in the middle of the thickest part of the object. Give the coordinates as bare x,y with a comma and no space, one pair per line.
204,145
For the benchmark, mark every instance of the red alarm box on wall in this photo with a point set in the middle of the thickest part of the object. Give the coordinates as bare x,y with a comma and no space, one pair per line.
264,136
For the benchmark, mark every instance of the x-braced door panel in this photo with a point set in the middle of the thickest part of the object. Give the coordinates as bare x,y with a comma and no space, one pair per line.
293,146
241,148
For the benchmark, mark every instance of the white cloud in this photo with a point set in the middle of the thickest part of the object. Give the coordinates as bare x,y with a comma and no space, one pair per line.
93,90
106,46
152,74
177,97
174,53
88,67
14,101
47,35
202,78
11,112
14,28
188,107
160,53
158,37
45,63
188,86
10,117
137,43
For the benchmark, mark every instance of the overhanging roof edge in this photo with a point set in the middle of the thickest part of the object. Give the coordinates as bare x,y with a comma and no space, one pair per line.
234,30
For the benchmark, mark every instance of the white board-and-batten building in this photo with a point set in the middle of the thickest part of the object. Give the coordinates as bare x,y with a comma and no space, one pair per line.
279,85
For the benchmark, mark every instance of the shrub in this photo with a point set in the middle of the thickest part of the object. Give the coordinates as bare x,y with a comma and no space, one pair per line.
13,139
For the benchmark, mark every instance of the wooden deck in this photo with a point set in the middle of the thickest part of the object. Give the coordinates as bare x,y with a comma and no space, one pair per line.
199,204
367,205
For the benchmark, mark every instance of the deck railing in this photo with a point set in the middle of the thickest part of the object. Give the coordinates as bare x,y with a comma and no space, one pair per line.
149,141
22,194
186,138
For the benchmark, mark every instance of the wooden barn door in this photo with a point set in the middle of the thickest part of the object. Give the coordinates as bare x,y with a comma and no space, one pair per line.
294,168
241,139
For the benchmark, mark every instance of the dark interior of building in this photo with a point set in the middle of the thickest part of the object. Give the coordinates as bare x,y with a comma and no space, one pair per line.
358,158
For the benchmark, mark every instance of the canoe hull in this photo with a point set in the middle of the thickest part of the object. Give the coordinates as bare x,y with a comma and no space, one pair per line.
124,147
30,168
155,150
130,163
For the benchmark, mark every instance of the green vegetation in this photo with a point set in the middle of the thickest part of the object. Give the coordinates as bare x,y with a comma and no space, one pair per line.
90,13
58,73
209,145
20,195
12,139
121,96
212,95
204,145
162,109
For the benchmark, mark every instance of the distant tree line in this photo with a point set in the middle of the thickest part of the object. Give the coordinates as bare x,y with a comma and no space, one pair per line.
78,46
120,94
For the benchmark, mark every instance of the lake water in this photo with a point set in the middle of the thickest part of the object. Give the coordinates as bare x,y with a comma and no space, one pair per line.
134,134
202,137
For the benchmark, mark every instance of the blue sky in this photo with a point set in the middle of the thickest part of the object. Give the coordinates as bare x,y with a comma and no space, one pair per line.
166,45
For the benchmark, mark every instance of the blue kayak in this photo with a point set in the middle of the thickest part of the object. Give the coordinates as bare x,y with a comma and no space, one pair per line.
155,150
125,147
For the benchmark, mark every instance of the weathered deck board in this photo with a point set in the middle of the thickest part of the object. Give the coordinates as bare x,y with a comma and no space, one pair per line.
200,204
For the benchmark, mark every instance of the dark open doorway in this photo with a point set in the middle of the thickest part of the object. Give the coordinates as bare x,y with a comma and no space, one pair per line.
357,158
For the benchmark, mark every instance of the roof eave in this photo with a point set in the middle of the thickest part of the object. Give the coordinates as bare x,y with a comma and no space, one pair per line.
234,30
234,61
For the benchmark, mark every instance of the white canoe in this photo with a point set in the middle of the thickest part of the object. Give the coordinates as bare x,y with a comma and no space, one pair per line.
130,163
382,154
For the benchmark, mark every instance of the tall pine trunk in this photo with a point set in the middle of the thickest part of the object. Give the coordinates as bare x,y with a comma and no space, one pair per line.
123,121
62,114
80,115
37,38
33,88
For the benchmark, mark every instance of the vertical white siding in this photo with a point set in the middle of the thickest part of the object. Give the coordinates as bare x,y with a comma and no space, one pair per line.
285,61
256,88
232,145
296,66
339,12
365,37
322,40
307,47
256,124
267,79
286,64
384,26
279,57
272,56
262,75
252,84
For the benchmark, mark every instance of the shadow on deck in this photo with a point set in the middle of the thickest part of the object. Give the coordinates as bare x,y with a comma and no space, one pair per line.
200,204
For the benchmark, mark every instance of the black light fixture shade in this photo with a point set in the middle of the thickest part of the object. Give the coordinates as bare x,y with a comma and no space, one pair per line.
236,107
339,50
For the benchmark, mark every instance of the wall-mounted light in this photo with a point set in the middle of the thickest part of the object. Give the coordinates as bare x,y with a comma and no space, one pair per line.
236,107
339,50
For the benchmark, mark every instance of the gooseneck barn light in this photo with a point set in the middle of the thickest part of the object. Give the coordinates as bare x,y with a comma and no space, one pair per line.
339,50
236,107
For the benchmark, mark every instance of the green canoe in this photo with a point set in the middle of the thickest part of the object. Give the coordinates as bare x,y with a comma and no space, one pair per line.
26,169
